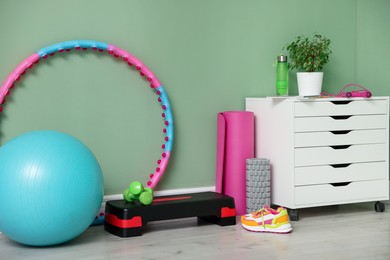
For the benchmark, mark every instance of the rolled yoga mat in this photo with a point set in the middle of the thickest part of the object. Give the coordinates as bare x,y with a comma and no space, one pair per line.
235,144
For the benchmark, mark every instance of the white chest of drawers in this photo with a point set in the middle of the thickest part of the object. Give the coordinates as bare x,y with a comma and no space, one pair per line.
323,151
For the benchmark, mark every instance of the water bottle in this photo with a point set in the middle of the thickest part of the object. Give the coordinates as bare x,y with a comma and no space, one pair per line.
281,76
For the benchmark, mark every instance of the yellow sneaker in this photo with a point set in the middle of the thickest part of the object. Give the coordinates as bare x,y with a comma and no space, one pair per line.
267,220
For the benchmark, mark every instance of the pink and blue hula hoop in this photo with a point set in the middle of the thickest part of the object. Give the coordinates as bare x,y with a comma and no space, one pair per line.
115,51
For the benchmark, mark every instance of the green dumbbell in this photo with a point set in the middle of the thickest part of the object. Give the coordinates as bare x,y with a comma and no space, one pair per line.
146,197
136,191
128,196
136,187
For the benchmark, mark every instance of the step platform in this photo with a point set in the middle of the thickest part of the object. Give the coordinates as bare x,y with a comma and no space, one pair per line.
126,219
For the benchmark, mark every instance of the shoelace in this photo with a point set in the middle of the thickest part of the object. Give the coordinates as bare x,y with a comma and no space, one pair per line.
263,211
266,208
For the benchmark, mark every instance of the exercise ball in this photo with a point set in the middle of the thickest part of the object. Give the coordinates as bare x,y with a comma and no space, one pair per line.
51,188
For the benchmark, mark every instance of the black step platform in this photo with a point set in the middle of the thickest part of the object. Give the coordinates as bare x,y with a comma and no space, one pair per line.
126,219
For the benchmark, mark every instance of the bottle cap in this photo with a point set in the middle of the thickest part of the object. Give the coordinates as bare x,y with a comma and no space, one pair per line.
282,58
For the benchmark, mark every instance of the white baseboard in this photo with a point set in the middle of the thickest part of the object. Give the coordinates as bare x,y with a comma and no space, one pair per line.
166,193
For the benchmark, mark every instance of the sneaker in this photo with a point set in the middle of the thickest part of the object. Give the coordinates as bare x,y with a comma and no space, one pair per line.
267,220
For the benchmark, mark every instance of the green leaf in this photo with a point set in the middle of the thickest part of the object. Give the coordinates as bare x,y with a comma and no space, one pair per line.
309,54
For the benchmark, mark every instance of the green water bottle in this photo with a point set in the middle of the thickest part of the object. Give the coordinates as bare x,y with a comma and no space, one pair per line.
281,76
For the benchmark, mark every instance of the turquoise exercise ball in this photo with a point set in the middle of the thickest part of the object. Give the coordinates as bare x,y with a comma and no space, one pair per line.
51,188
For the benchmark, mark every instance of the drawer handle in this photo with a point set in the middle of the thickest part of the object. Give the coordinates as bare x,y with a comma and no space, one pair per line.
340,184
340,165
340,117
341,102
339,147
340,132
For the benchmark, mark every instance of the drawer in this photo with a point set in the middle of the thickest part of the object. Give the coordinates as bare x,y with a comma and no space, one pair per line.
340,154
327,123
326,194
341,173
340,137
341,107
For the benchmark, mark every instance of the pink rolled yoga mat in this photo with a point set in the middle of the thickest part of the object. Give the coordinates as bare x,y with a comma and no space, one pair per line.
235,144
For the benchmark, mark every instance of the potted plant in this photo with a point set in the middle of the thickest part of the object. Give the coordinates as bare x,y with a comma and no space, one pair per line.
308,56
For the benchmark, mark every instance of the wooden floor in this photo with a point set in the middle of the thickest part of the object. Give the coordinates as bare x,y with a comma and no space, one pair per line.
352,231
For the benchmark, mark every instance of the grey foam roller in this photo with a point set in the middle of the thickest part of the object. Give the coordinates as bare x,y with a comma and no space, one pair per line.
258,184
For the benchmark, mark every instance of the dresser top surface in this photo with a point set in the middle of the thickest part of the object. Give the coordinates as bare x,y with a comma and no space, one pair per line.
315,99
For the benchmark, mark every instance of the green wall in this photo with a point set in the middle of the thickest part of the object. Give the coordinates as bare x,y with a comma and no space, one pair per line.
373,40
208,54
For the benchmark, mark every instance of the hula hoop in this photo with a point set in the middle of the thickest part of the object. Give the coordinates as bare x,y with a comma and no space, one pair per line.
115,51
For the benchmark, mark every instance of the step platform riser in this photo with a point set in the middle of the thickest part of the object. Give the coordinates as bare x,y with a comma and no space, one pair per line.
126,219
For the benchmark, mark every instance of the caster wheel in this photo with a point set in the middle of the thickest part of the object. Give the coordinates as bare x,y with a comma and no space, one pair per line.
293,214
379,206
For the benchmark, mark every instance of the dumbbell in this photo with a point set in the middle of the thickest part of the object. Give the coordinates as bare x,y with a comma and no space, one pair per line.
137,191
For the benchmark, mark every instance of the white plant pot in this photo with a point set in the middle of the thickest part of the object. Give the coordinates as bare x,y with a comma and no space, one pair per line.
309,83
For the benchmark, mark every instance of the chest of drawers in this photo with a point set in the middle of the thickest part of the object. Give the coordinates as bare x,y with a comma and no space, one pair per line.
323,151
